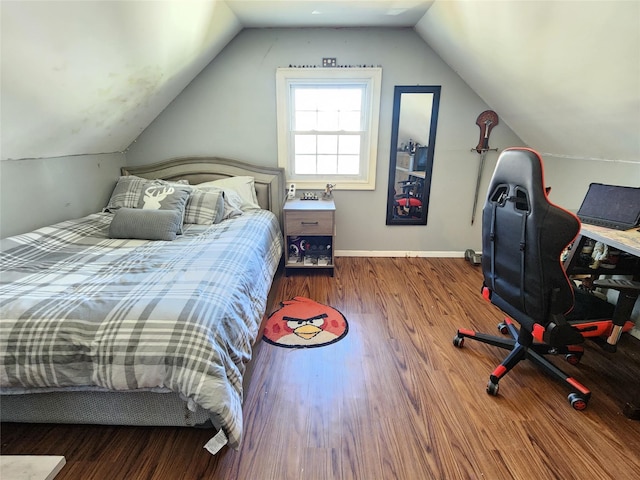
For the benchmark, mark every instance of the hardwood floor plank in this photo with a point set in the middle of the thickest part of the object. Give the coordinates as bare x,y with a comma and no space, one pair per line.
394,399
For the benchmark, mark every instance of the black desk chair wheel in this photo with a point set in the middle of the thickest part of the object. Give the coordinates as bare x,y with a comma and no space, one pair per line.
523,237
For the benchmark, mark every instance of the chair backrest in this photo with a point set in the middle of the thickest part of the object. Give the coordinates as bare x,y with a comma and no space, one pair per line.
523,236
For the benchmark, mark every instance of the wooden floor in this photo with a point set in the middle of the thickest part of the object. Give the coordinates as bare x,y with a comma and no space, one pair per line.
394,399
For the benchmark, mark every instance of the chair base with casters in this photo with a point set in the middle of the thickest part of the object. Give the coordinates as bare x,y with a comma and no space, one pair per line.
523,346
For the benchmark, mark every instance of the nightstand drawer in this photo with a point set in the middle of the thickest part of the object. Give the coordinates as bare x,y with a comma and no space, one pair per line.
309,223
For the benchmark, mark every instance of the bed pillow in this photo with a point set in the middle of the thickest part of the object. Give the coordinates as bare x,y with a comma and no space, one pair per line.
159,195
205,207
231,199
145,224
135,192
243,185
126,193
130,189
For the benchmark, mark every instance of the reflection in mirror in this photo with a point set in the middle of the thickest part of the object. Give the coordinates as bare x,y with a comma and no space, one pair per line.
413,135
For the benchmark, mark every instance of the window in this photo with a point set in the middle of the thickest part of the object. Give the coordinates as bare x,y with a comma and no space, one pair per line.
328,126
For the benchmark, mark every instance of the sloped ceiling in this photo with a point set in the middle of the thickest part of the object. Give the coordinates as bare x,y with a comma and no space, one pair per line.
81,77
564,75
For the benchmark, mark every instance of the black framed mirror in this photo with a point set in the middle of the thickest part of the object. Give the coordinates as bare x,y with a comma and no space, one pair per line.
413,138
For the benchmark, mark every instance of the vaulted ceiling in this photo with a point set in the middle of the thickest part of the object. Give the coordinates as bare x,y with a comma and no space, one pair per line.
84,77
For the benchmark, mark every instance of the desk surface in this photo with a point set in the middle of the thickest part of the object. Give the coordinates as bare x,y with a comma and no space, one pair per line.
413,173
625,240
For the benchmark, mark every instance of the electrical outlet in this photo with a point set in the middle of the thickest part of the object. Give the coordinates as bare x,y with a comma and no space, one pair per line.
329,62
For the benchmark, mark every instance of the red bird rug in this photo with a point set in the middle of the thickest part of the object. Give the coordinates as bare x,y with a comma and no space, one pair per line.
304,323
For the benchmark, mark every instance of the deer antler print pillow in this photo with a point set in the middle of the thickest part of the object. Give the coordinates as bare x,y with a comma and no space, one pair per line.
136,192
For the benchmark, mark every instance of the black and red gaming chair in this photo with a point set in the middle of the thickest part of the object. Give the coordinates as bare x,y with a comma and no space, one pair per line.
523,237
409,202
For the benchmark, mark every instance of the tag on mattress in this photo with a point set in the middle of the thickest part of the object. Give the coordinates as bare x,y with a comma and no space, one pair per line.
218,441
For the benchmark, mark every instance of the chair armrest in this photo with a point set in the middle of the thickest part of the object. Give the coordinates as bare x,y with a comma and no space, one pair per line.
559,333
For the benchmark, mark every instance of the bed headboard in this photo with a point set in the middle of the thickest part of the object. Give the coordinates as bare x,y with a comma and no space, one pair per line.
269,181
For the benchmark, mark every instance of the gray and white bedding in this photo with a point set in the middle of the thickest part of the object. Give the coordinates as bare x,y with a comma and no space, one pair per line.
81,310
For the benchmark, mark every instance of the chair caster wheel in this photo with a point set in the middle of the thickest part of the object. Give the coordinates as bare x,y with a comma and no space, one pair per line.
458,341
502,328
492,388
573,358
577,402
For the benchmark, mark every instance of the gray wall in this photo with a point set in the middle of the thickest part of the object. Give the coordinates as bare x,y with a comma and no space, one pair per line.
229,110
38,192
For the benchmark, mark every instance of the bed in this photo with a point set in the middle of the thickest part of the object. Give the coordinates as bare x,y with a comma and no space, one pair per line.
120,331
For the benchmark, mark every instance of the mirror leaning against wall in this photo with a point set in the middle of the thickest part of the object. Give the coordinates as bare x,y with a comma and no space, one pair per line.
413,135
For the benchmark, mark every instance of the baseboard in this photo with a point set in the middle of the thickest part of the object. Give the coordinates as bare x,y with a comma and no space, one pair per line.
397,253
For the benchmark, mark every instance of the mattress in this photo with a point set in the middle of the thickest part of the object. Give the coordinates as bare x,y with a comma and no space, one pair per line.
82,311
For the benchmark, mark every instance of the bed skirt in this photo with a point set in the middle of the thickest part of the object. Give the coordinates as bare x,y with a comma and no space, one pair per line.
143,408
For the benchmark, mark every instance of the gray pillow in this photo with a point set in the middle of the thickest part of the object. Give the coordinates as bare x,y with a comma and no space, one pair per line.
126,193
163,196
205,207
145,224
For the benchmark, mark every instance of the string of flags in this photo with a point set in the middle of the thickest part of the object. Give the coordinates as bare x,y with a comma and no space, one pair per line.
335,66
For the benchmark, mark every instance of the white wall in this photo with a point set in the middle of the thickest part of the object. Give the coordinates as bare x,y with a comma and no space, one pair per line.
38,192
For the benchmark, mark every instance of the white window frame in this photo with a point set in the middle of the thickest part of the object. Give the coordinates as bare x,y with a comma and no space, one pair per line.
372,78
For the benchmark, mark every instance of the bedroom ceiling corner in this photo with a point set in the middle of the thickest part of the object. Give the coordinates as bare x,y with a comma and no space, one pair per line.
89,77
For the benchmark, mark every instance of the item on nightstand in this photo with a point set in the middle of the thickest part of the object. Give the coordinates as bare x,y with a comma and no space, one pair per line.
294,253
310,260
328,191
309,196
291,194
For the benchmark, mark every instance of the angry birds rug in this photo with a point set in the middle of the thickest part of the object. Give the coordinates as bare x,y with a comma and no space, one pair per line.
303,323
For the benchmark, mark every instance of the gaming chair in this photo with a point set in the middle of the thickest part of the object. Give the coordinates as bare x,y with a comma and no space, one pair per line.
523,237
409,202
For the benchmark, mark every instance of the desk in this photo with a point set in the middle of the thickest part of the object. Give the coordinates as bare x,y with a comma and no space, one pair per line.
624,240
413,173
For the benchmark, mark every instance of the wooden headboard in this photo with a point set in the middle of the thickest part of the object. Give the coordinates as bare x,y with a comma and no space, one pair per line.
269,181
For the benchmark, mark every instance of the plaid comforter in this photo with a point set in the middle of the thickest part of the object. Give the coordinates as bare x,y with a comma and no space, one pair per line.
78,309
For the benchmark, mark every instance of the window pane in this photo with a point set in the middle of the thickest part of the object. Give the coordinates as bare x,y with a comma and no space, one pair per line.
305,98
305,164
327,100
305,121
350,121
349,144
328,121
350,99
327,164
328,144
348,164
305,144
